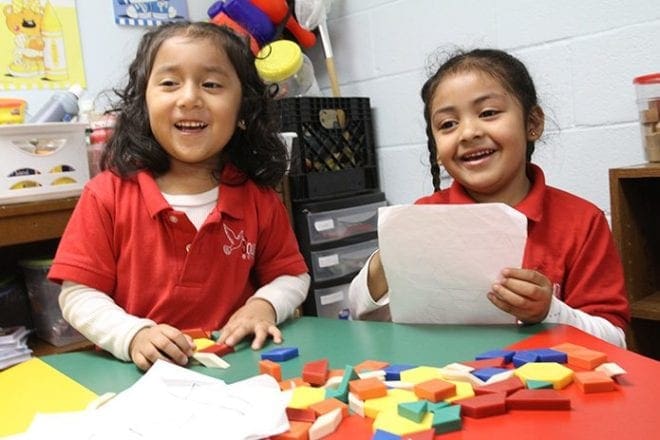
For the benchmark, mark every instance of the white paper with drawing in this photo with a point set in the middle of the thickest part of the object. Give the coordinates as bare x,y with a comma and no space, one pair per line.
441,260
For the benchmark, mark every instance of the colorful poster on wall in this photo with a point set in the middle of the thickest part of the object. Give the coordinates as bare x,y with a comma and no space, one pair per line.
148,12
40,45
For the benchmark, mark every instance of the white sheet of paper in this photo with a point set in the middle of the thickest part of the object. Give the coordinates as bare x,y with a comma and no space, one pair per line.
440,260
173,402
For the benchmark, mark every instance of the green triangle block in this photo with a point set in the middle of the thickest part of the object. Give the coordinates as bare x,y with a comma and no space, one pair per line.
447,419
436,406
341,392
337,394
414,411
538,384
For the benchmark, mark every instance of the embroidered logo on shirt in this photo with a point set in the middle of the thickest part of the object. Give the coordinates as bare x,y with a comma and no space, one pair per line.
238,241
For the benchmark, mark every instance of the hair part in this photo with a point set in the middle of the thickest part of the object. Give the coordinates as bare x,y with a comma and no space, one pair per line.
509,71
255,149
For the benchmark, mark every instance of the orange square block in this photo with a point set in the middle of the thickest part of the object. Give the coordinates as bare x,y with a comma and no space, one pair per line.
297,431
327,405
370,365
434,390
292,383
367,388
586,359
593,381
271,368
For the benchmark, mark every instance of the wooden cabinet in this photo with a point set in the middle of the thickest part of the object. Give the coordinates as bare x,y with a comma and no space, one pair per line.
635,200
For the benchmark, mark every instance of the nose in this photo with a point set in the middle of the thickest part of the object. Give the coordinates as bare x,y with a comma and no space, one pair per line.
471,129
189,96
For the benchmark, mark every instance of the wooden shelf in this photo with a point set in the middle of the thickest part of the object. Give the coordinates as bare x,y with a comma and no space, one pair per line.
34,221
647,307
634,196
42,348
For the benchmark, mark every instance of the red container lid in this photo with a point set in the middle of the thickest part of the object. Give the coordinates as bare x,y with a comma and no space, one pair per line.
651,78
11,102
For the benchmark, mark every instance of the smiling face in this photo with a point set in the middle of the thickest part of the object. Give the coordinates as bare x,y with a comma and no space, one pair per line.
481,136
193,100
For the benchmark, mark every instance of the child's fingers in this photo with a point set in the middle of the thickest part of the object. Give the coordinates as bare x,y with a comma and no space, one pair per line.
261,333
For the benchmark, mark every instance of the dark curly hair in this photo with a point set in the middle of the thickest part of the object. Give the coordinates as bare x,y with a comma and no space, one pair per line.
503,67
257,150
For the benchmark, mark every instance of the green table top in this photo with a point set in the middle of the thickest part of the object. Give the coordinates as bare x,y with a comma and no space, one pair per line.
341,342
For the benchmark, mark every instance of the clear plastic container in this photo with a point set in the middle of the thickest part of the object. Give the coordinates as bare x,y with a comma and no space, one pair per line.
46,313
647,88
283,63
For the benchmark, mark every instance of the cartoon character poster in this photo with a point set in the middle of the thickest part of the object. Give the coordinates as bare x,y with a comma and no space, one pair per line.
149,12
39,45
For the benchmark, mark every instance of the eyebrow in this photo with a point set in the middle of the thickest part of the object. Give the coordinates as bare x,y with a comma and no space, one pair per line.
477,101
166,68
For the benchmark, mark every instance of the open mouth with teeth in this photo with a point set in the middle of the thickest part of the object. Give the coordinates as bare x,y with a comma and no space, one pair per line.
190,126
477,155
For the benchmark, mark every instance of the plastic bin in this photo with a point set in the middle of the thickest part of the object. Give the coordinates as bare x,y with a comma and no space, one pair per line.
46,313
342,223
42,161
341,261
332,302
14,303
335,153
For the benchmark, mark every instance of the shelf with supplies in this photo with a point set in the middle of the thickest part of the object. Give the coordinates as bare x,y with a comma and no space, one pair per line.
34,228
634,196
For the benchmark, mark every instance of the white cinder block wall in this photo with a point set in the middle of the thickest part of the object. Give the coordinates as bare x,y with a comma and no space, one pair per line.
582,55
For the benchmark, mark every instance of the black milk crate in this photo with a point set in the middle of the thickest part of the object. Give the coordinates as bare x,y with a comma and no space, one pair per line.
334,154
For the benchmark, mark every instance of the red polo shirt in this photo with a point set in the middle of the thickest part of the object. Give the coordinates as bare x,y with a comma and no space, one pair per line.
124,239
570,242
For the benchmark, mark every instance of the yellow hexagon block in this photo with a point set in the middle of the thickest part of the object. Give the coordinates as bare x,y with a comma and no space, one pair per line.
463,391
552,372
420,374
303,397
390,421
395,396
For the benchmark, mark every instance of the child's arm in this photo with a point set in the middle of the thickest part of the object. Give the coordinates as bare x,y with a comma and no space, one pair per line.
368,292
528,295
102,321
271,304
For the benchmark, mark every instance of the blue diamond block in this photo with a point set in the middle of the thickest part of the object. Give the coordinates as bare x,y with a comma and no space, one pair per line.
393,372
384,435
550,355
280,354
523,357
506,354
486,373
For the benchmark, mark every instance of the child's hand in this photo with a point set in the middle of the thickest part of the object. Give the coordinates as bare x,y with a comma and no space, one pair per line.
524,293
256,316
160,342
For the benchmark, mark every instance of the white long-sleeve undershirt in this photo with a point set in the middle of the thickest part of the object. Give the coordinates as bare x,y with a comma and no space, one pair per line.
97,317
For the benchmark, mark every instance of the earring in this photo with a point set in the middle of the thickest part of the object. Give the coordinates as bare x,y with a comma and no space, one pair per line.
241,124
532,133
